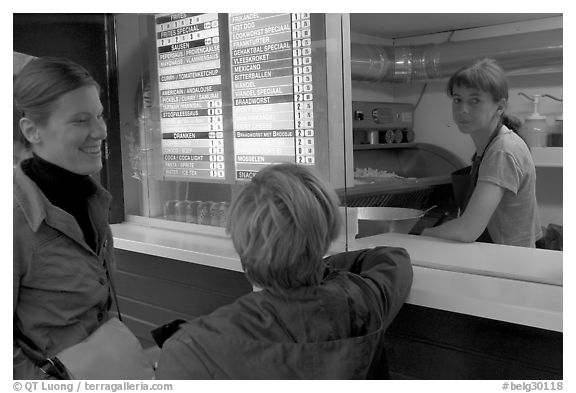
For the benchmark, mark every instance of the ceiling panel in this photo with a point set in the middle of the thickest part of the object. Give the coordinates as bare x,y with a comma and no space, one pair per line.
413,24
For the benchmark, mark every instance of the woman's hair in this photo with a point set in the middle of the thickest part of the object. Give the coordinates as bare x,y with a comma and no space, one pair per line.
485,75
42,81
282,224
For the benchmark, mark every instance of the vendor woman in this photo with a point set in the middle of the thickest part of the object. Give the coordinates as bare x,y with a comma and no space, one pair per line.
500,196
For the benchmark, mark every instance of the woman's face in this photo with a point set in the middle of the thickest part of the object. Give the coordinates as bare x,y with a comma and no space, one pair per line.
474,110
72,137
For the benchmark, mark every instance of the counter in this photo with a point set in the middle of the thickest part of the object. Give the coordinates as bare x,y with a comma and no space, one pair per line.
510,284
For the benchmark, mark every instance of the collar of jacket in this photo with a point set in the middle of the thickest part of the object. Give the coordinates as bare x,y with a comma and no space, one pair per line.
34,203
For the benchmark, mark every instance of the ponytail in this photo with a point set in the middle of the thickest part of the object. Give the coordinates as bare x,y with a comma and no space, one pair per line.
512,122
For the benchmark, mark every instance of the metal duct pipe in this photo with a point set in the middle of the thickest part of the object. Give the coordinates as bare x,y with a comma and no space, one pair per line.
421,62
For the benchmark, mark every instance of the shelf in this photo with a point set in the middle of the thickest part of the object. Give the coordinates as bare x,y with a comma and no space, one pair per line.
377,146
394,185
549,157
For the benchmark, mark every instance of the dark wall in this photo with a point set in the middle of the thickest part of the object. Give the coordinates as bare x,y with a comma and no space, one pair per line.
87,39
425,343
79,37
154,290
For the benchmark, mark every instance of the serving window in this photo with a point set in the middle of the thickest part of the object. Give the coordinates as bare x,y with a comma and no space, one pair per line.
207,100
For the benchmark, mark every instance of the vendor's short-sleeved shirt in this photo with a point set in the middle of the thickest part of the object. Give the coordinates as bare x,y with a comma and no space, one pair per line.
508,163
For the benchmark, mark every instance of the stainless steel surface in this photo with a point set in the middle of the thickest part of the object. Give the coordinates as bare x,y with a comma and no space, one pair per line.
377,220
404,64
409,160
397,175
382,116
402,25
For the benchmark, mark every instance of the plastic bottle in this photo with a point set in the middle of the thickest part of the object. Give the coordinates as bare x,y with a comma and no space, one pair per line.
192,212
555,133
180,210
534,130
170,210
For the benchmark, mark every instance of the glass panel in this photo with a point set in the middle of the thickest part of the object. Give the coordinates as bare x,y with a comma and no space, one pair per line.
217,97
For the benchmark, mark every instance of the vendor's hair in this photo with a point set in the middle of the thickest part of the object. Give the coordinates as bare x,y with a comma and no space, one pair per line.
485,75
42,81
282,224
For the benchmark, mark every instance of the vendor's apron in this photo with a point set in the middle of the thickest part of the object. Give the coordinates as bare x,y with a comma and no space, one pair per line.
464,182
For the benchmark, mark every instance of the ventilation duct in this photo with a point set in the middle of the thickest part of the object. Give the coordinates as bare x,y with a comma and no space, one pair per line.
525,51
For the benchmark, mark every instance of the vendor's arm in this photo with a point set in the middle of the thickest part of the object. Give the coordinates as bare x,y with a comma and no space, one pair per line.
470,225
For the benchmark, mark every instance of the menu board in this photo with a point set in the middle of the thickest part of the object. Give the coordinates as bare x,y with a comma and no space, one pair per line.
236,93
190,82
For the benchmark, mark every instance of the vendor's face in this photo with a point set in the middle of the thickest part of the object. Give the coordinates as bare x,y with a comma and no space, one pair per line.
474,110
72,137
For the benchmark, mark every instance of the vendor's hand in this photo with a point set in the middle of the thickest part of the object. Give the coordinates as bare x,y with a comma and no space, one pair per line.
426,231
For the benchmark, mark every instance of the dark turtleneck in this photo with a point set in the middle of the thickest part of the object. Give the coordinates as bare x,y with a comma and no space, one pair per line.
69,191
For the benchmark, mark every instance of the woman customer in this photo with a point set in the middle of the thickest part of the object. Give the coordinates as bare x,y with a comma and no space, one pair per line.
501,192
62,240
313,318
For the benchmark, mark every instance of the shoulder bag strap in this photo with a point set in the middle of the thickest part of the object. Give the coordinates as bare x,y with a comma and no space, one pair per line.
112,288
52,367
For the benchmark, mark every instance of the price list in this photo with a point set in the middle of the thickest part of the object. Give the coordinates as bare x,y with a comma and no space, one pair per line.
190,84
303,91
272,94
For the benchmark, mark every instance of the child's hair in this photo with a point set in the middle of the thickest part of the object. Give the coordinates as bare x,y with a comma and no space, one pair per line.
282,224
